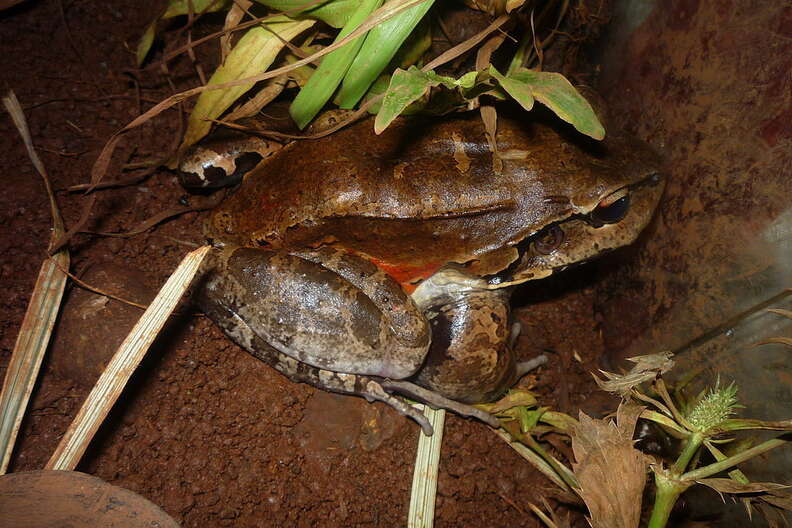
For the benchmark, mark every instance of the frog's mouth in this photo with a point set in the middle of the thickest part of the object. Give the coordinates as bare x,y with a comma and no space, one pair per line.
613,222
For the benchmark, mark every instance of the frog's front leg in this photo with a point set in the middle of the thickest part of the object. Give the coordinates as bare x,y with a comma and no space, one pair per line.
323,317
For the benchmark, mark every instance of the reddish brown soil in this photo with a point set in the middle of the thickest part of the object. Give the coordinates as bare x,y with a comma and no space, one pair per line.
204,430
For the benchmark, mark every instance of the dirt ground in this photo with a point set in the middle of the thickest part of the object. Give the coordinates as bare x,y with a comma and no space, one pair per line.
204,430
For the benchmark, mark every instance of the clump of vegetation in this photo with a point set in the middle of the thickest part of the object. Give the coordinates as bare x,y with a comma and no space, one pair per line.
371,56
609,472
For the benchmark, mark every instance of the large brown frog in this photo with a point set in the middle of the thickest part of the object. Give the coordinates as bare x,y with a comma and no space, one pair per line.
378,265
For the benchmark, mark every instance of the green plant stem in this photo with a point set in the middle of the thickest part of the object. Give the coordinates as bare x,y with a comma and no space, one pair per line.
726,463
529,440
692,445
668,491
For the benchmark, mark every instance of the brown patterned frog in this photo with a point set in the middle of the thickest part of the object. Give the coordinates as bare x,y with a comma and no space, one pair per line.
383,265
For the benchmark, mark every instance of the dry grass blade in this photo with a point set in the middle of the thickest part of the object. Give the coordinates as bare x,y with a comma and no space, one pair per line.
112,381
776,341
779,311
233,17
34,334
427,460
534,459
263,97
5,4
465,46
610,471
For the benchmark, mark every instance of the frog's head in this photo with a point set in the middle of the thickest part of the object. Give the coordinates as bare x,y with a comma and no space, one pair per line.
603,203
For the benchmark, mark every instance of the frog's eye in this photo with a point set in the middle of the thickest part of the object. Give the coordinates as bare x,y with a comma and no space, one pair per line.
610,211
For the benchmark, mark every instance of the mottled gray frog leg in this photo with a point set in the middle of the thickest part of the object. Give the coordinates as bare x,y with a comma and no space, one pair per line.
471,359
241,333
327,309
325,318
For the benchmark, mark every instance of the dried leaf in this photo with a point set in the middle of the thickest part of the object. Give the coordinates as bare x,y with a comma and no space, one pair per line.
554,520
780,498
123,364
34,334
646,368
234,15
610,471
779,311
725,485
776,340
253,53
494,7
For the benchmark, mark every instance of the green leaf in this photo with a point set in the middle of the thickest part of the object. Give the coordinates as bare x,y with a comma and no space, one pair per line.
521,92
144,46
529,418
335,13
415,45
664,420
253,54
380,46
742,424
175,8
559,420
406,86
557,93
182,7
324,81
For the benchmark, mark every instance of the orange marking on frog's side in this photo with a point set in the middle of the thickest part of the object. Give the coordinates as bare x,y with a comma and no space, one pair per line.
406,275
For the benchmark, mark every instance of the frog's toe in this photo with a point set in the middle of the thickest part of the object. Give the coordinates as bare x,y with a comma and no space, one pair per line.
438,401
376,391
524,367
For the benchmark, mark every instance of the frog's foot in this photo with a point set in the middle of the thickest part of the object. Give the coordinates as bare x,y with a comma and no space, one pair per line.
438,401
376,391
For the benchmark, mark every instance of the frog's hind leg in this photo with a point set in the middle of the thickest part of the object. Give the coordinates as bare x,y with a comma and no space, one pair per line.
369,387
325,318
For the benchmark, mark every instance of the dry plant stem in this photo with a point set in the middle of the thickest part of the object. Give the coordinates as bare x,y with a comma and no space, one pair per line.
34,334
424,484
29,350
112,381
